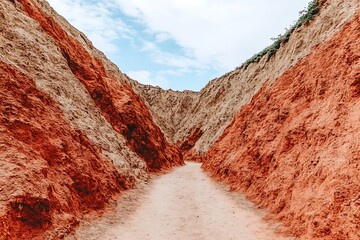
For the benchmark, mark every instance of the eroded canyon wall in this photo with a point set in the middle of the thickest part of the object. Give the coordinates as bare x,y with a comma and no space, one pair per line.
293,146
73,131
50,172
214,107
294,149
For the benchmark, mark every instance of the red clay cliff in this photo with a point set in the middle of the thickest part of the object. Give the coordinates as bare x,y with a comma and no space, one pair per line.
51,173
117,101
294,149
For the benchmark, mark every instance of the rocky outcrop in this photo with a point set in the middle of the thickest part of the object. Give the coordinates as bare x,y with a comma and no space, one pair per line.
294,149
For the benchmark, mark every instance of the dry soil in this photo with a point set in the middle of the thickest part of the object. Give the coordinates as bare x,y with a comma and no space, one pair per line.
183,204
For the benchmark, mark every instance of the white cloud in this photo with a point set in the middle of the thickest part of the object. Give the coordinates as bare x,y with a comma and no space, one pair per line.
96,20
162,37
178,72
220,33
169,59
212,35
149,78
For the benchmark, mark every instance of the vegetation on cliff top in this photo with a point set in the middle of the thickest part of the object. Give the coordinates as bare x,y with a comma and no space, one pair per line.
305,16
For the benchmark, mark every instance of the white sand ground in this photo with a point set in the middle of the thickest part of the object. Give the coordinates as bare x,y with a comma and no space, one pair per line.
183,204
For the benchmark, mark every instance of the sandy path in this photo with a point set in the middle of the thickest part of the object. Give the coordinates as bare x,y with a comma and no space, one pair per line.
184,204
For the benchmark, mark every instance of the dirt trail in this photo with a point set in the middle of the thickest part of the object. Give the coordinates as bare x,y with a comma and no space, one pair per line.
183,204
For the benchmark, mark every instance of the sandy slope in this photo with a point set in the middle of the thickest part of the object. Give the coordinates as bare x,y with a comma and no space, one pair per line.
184,204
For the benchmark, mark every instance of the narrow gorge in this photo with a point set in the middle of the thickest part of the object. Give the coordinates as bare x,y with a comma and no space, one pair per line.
77,134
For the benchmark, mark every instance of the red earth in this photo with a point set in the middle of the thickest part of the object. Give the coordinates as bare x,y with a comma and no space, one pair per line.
294,149
52,172
117,101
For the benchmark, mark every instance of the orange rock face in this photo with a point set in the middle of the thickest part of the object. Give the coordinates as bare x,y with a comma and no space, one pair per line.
50,173
294,149
186,147
117,101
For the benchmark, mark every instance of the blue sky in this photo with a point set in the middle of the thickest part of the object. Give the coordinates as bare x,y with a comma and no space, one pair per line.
179,44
